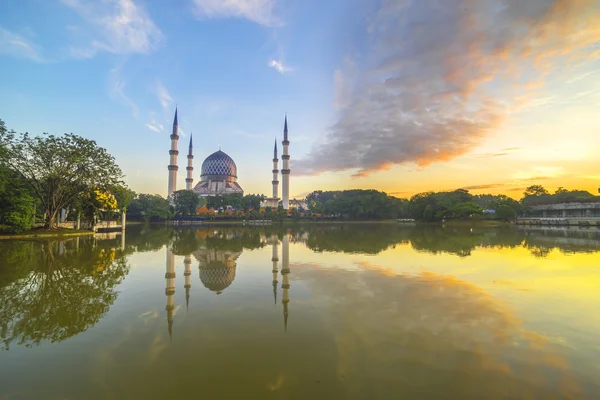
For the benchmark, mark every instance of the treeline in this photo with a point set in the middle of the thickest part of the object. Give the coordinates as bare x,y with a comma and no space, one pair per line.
185,204
356,204
42,175
435,206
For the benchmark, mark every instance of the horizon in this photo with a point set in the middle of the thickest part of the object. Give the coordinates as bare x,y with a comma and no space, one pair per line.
485,98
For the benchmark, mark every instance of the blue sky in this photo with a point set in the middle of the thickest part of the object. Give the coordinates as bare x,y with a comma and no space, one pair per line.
233,71
397,95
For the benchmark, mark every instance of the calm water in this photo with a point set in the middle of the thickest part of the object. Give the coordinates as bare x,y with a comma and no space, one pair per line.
326,312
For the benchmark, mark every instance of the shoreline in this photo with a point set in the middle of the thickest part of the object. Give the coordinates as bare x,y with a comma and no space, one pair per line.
450,223
45,234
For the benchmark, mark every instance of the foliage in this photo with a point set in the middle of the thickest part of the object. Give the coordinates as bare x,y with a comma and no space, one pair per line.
94,201
60,290
355,204
536,194
437,206
535,190
123,195
186,202
58,169
16,203
466,210
505,212
235,201
150,207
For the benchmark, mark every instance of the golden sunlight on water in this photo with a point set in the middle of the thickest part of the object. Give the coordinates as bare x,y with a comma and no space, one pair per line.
336,312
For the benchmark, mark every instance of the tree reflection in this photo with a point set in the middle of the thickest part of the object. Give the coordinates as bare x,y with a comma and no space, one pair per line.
55,290
363,238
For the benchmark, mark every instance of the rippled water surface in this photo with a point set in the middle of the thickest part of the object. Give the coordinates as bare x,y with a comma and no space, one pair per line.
315,312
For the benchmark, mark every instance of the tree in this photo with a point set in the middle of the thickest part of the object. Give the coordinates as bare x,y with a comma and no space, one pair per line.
64,290
16,202
186,202
428,214
59,168
123,195
466,210
561,189
535,190
505,212
95,200
281,213
251,202
150,207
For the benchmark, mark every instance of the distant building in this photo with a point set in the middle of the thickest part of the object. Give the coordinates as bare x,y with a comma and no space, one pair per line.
218,177
219,172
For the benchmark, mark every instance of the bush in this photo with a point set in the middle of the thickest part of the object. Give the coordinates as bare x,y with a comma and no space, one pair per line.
17,213
505,212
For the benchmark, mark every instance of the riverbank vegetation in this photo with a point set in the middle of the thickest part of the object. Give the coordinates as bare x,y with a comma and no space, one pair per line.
40,176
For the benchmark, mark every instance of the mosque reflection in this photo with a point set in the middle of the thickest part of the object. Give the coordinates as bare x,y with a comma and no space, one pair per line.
217,259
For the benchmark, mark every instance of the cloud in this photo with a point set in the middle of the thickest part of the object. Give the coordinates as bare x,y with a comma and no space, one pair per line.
259,11
164,97
503,152
116,90
18,46
480,335
438,77
155,126
280,67
116,26
487,186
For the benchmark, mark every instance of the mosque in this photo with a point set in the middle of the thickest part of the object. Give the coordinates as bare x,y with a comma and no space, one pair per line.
219,172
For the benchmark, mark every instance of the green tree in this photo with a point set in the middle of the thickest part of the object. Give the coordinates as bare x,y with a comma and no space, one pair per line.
281,213
16,201
466,210
428,213
150,207
505,212
535,190
123,195
63,289
59,168
251,202
186,202
561,189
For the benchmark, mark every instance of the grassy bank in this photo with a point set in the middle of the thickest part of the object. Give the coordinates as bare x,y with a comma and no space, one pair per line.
45,233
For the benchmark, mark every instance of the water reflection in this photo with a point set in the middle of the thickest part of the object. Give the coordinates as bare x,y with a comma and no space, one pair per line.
377,318
217,253
53,290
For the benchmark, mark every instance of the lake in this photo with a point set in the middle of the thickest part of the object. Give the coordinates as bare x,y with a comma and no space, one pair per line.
362,311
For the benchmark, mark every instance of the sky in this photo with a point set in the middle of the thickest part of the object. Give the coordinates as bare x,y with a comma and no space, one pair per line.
402,96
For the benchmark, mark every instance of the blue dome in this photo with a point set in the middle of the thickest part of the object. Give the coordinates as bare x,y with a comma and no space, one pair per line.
219,166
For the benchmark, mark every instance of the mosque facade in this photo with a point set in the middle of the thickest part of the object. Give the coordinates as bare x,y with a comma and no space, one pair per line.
219,172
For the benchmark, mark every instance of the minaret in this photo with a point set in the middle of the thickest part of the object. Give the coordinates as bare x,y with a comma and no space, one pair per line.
173,153
285,272
275,173
188,276
285,172
275,271
170,288
190,168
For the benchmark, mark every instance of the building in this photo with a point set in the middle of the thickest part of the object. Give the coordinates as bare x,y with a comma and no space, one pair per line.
218,177
274,201
219,172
